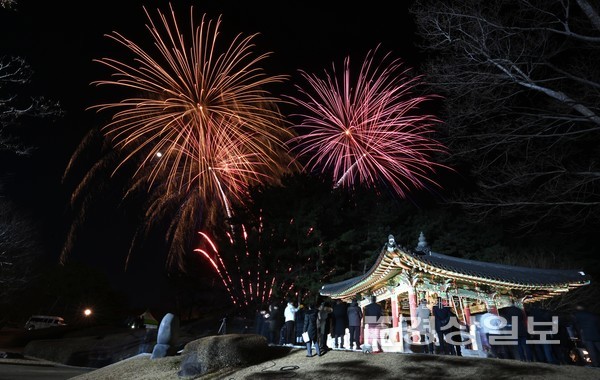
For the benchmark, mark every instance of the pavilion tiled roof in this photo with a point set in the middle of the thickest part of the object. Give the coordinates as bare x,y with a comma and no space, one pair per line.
391,262
500,273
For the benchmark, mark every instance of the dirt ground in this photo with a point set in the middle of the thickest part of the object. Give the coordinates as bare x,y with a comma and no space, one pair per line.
352,365
335,364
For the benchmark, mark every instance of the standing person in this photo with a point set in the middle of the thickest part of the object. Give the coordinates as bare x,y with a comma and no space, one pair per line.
266,323
441,319
373,314
424,327
454,330
299,322
355,316
514,314
290,317
259,320
491,325
566,323
272,319
586,324
340,322
543,350
324,324
310,327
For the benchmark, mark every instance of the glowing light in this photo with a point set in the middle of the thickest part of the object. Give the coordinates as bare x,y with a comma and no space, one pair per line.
87,312
370,131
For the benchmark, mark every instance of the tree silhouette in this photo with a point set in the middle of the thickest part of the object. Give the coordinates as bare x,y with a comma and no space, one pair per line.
520,82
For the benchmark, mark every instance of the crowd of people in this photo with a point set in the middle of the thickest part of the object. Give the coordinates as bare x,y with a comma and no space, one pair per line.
543,336
310,325
533,334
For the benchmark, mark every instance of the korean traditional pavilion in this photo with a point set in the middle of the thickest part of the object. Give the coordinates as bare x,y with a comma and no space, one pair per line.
401,276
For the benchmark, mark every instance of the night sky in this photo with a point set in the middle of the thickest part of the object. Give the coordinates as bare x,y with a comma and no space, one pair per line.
60,40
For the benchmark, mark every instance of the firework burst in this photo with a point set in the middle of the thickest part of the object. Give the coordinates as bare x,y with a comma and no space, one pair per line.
369,131
198,125
206,114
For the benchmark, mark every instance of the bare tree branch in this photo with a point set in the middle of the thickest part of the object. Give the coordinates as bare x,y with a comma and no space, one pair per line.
522,105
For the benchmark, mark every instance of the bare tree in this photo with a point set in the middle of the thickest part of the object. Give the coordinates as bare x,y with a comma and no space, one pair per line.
521,83
18,243
18,249
14,74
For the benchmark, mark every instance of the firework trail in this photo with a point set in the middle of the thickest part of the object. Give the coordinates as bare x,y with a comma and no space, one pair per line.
246,284
369,131
198,122
250,267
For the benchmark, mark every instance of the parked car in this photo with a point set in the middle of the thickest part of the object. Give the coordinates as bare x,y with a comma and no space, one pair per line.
43,321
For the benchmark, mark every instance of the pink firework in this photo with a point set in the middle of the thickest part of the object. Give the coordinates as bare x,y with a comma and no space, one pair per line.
368,132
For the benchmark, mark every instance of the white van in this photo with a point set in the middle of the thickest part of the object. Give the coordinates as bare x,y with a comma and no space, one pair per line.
43,321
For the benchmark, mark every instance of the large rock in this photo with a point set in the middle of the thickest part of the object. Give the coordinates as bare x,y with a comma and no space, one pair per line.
213,353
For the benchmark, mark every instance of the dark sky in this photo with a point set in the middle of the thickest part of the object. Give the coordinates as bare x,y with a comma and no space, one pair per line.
60,40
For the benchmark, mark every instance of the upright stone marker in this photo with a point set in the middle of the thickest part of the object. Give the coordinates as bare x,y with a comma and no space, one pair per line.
168,332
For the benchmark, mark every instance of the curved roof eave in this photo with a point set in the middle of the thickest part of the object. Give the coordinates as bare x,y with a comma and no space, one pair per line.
479,272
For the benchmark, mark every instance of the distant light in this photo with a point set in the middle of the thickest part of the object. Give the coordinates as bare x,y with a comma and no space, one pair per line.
582,273
158,154
87,312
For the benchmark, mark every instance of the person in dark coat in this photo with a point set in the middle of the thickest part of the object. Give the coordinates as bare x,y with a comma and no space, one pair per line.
259,320
587,325
373,314
300,323
455,333
310,327
340,322
566,326
355,316
543,350
273,323
324,323
424,327
514,314
441,318
265,324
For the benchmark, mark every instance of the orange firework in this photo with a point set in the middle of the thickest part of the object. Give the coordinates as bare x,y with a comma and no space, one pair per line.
197,123
199,110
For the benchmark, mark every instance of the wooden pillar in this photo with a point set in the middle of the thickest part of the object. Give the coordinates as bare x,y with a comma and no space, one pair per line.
412,302
395,316
467,310
361,337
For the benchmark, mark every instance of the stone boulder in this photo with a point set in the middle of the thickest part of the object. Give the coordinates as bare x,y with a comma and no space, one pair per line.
168,333
214,353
